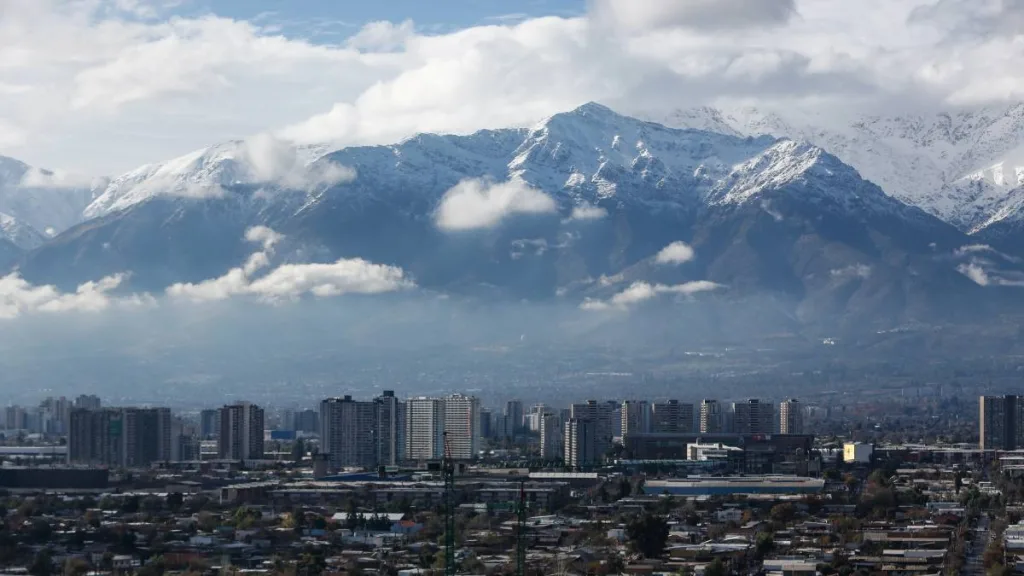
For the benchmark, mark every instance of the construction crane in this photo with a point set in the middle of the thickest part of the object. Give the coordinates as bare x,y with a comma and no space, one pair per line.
521,531
448,474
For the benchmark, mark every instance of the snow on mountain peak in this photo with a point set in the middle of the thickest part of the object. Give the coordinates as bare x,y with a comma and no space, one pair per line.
259,161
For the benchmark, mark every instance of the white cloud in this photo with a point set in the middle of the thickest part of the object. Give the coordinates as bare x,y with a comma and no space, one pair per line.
638,292
18,297
383,36
276,161
586,211
292,281
101,86
975,272
675,253
695,14
475,203
852,271
36,178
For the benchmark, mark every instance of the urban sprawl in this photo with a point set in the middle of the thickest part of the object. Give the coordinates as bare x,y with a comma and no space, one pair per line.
931,484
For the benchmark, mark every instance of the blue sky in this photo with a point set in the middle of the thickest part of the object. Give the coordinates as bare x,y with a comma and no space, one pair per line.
325,18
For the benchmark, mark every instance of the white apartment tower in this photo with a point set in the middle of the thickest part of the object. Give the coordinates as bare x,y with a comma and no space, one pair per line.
462,423
424,428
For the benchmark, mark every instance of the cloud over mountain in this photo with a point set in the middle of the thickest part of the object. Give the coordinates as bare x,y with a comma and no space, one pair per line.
475,203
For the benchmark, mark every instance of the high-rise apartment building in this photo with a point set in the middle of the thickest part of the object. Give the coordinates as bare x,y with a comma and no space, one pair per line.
514,416
753,417
791,417
552,443
348,432
307,421
241,432
120,437
424,425
209,423
601,414
88,401
486,420
712,420
1001,422
390,426
462,423
673,417
580,443
636,417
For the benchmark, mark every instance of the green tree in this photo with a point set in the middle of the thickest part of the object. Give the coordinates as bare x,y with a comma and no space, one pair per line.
625,488
175,501
765,544
42,564
648,535
715,568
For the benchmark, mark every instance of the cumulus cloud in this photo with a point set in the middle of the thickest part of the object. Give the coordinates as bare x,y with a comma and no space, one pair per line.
18,297
852,271
275,161
696,14
475,203
100,90
675,253
587,211
638,292
38,178
292,281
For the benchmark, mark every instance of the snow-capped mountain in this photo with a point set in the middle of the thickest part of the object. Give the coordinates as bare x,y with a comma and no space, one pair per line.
961,167
262,161
19,234
40,200
764,216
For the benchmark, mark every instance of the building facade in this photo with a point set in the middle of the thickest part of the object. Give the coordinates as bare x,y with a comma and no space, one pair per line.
241,432
552,442
672,417
390,426
1001,422
424,425
580,441
712,420
602,416
753,417
348,432
462,423
791,417
636,417
514,417
120,437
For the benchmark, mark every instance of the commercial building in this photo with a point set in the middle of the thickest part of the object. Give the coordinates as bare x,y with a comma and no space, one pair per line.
636,417
348,432
858,452
88,401
712,420
762,453
462,423
791,417
241,432
424,425
581,443
753,417
602,416
1001,422
390,427
673,417
119,437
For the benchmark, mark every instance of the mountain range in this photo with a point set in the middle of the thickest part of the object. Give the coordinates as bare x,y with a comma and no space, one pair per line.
883,223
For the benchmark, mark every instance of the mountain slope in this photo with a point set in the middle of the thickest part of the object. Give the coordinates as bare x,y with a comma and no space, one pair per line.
40,199
768,218
958,167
